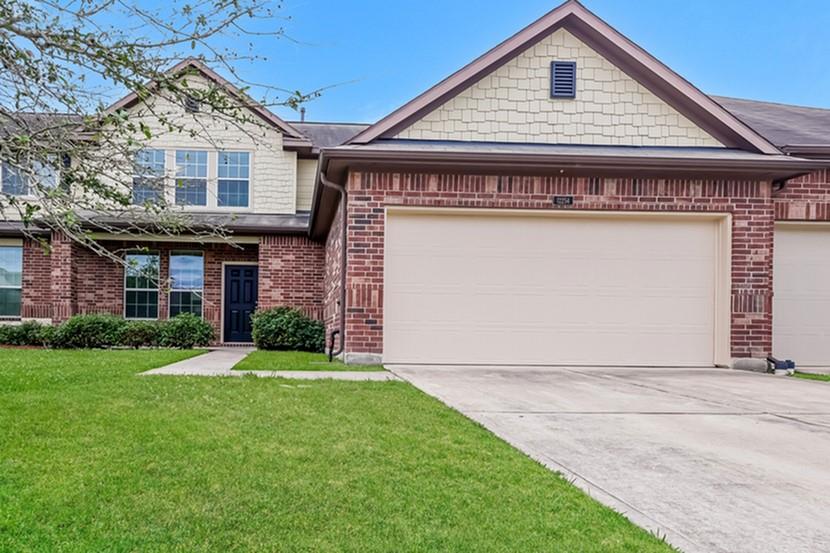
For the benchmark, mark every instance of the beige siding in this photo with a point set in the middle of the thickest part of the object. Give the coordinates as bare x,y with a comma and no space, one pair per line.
306,174
273,170
513,104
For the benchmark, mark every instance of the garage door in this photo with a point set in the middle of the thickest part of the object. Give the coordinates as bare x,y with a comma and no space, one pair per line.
487,288
801,306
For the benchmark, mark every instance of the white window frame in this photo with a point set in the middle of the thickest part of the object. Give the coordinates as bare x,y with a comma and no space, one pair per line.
207,178
156,289
248,179
162,177
20,287
27,179
200,292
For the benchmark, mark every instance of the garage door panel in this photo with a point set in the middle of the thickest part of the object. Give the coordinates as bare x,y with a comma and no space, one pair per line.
547,290
801,307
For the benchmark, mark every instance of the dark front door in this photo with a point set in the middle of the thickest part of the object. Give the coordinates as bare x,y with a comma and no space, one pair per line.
240,301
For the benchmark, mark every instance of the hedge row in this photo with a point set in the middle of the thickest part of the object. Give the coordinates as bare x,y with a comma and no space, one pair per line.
104,331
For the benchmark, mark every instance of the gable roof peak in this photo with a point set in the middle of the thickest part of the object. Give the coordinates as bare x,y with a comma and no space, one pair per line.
606,41
203,69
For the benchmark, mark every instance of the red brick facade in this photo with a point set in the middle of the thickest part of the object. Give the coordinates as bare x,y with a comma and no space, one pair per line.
749,202
71,279
804,198
332,276
291,273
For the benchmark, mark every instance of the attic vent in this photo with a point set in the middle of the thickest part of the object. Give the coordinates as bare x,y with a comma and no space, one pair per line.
192,105
563,79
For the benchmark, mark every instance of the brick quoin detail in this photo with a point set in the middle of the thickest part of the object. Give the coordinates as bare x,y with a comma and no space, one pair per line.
806,198
291,274
749,202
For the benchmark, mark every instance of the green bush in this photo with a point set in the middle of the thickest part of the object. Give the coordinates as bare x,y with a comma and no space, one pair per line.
135,334
284,328
30,333
89,331
185,331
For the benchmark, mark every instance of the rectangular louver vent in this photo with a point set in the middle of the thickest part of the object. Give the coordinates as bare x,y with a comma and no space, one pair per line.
563,79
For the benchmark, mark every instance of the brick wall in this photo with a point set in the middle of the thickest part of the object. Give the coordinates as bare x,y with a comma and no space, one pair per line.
75,280
36,301
291,273
749,202
805,198
332,275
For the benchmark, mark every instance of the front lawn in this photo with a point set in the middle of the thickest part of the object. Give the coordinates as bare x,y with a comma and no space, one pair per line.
261,360
95,458
810,376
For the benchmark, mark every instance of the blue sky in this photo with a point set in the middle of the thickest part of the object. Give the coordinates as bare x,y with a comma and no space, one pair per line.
381,53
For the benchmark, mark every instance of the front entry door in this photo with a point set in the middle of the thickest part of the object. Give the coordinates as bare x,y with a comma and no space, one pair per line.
240,301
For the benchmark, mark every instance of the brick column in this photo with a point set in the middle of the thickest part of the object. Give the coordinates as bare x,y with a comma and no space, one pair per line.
63,278
37,273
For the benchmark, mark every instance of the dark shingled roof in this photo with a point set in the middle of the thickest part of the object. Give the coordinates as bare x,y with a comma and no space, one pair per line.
781,124
327,135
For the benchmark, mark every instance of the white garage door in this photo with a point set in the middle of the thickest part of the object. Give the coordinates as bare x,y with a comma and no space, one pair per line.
486,288
801,306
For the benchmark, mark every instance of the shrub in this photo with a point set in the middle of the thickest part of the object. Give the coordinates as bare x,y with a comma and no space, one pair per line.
30,333
89,331
284,328
135,334
185,331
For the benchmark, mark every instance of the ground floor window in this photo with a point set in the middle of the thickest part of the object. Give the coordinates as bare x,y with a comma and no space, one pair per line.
187,280
11,281
141,286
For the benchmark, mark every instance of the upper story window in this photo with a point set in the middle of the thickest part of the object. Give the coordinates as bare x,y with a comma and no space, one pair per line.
187,281
234,179
141,286
148,177
11,279
191,177
14,182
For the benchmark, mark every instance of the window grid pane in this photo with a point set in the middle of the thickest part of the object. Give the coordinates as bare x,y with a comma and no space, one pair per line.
233,173
11,266
148,177
10,302
187,279
13,182
191,177
186,302
141,294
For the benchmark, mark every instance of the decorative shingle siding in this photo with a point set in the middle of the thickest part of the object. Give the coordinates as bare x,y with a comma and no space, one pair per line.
514,104
749,202
291,273
805,198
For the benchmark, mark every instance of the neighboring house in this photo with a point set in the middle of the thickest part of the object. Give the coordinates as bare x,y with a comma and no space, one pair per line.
563,199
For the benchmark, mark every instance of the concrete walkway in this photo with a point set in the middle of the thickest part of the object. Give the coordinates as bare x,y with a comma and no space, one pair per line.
219,362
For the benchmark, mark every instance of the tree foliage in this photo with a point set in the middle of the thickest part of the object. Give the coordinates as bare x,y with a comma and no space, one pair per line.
68,154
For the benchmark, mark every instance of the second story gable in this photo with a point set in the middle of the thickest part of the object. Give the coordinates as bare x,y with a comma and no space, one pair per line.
212,162
597,103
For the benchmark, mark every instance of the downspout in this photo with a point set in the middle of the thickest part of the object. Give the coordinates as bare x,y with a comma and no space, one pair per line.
341,190
778,185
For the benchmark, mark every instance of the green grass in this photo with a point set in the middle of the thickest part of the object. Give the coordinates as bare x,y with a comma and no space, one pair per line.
296,361
809,376
95,458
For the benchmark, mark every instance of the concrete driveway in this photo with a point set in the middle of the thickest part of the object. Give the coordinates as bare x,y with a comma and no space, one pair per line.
714,459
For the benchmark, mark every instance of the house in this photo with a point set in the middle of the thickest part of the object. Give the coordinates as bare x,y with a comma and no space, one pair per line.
563,199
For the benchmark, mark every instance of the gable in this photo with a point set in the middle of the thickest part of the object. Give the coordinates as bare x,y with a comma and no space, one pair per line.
514,104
